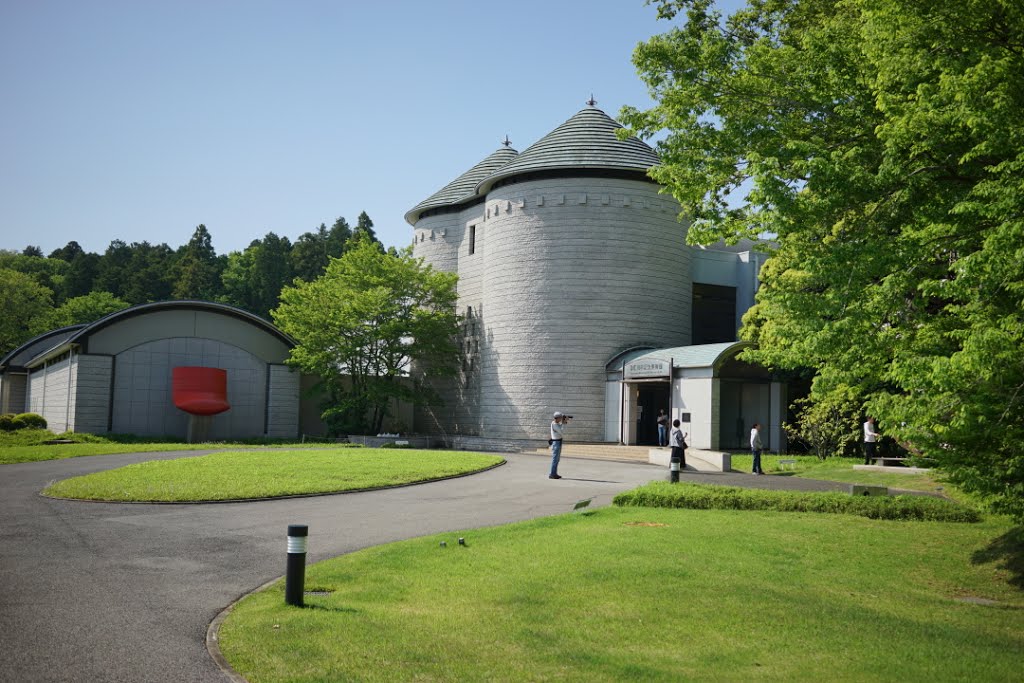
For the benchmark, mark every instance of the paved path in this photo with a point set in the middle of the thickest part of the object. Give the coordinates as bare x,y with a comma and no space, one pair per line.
112,592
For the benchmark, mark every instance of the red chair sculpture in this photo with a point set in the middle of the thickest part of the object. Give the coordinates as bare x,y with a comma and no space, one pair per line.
202,393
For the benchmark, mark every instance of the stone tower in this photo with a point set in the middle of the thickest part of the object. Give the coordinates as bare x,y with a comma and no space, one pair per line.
567,254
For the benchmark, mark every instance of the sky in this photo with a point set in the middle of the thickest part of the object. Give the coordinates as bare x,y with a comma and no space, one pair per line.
138,121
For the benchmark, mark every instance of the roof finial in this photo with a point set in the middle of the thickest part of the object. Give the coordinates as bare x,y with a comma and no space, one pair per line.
591,101
507,142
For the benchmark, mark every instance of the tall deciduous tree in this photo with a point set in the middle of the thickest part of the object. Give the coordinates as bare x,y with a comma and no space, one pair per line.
881,143
81,309
361,325
24,302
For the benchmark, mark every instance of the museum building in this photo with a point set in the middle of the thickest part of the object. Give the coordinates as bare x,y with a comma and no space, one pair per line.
118,374
578,293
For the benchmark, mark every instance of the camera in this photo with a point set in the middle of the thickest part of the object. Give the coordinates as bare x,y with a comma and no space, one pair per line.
567,417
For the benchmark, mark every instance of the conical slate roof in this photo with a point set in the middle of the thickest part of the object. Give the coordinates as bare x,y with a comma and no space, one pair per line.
463,187
587,140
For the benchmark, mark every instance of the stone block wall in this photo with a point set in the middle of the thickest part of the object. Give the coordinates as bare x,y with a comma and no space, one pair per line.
91,401
576,270
49,388
282,402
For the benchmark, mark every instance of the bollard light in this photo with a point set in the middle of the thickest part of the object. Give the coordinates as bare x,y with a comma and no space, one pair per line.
295,576
674,468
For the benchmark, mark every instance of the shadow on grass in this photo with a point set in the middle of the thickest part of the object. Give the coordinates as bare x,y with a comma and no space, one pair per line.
1008,550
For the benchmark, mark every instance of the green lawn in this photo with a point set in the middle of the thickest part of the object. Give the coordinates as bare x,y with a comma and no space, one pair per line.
236,475
841,470
654,595
27,445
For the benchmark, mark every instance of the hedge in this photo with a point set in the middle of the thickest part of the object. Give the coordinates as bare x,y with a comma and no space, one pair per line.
10,423
712,497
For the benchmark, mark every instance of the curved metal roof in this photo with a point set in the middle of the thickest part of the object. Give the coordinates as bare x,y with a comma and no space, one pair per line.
141,309
586,141
463,187
81,332
36,345
695,356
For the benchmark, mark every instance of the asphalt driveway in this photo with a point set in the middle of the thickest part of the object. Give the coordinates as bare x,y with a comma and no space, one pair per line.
113,592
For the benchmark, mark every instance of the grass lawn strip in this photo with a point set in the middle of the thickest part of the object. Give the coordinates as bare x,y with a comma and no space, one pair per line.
715,497
841,470
649,594
237,475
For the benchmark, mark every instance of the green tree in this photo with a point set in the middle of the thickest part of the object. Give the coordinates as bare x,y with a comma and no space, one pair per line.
83,269
81,309
198,269
361,325
339,235
309,254
880,142
364,229
253,278
238,279
113,269
68,252
24,303
149,273
46,272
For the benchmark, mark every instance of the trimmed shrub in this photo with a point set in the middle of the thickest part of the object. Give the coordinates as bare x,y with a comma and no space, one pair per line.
29,421
710,497
7,423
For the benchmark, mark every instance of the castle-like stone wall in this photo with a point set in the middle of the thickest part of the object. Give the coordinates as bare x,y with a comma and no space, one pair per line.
565,273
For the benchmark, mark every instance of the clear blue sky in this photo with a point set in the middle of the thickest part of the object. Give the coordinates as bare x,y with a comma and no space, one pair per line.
140,120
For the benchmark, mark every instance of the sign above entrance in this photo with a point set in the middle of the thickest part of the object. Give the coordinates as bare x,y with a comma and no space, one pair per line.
645,368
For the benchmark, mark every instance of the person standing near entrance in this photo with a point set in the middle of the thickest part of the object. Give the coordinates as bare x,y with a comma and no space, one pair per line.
557,425
756,447
662,428
870,439
677,440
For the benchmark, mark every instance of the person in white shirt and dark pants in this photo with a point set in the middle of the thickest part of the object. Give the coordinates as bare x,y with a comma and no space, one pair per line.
756,447
870,439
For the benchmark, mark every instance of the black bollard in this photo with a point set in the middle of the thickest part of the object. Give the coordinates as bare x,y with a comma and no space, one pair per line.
674,469
295,577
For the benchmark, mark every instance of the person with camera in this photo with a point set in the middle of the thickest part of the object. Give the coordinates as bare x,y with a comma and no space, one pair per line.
557,425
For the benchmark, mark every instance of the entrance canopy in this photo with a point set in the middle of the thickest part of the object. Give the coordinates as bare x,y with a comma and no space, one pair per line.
640,364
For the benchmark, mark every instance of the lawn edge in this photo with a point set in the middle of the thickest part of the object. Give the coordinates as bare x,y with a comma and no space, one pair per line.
229,501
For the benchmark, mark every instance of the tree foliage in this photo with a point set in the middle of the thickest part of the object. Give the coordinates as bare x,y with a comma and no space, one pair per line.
880,143
140,272
80,309
361,325
25,301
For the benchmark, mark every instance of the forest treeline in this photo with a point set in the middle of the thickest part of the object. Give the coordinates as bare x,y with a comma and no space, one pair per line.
68,286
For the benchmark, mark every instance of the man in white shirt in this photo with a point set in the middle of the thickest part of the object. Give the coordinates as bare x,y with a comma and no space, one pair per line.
756,447
870,439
